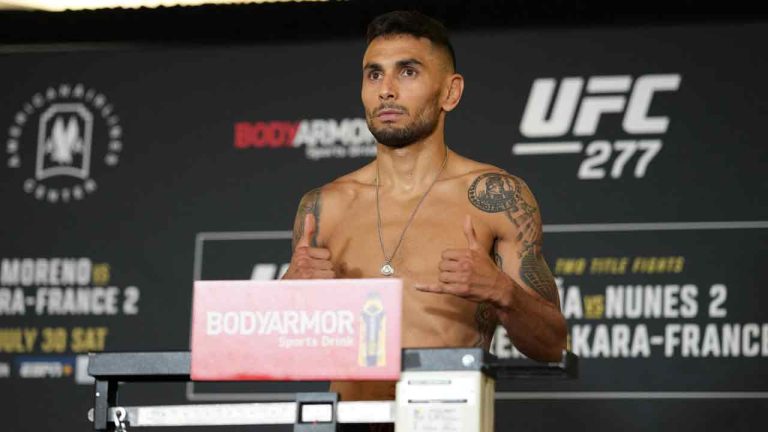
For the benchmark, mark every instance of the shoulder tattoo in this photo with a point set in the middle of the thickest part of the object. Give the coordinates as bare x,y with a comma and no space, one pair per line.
497,192
493,193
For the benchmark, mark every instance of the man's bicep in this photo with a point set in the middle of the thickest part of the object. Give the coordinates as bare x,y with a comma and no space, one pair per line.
310,204
518,229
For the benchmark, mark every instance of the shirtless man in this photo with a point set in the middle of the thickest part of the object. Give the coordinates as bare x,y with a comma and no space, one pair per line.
465,237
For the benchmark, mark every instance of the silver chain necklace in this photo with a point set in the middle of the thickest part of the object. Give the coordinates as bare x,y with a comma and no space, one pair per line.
386,268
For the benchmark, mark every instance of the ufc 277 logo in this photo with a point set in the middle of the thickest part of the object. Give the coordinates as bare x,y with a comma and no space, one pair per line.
558,116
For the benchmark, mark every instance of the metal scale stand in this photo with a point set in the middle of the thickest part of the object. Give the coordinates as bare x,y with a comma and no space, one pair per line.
446,389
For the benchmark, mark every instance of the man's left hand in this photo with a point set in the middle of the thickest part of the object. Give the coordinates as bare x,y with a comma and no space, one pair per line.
469,273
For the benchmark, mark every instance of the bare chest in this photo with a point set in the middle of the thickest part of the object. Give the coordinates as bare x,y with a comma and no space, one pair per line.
428,319
360,245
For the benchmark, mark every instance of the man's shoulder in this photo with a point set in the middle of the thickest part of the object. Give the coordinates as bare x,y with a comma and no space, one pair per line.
492,189
472,172
346,188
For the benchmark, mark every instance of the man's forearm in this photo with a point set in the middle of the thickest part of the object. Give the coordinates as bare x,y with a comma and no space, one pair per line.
536,326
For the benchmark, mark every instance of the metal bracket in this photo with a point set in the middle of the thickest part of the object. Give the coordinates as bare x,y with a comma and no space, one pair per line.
104,397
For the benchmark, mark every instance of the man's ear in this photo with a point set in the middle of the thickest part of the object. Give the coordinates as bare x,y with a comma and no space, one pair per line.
454,89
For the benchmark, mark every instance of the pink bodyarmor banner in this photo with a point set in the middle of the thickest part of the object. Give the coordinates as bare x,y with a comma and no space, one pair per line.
339,329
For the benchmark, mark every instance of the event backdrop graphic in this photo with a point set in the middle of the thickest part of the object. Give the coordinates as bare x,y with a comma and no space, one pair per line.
129,172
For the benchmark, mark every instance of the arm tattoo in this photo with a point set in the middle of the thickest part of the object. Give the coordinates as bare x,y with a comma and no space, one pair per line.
486,322
497,257
496,192
535,273
310,203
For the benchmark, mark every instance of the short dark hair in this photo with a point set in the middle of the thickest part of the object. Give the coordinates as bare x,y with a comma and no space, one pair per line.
411,23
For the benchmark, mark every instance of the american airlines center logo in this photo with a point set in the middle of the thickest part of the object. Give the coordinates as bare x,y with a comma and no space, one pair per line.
562,117
320,138
60,139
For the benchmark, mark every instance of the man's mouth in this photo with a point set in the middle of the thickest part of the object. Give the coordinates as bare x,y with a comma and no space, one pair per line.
389,114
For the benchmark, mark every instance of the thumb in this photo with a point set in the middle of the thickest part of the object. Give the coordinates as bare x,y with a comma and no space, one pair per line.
308,232
469,233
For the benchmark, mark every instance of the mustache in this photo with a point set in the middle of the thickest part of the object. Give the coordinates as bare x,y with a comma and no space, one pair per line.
381,108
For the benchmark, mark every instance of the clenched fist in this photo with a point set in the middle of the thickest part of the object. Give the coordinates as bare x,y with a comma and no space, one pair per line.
310,262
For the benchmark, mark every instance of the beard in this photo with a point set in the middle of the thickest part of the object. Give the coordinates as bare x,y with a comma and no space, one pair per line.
398,137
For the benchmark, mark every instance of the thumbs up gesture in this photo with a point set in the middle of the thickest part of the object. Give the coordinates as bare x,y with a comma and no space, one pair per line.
310,262
469,273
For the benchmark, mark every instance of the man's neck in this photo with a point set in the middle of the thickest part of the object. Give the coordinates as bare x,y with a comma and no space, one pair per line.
411,168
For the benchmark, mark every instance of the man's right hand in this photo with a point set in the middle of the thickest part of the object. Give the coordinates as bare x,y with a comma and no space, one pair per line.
310,262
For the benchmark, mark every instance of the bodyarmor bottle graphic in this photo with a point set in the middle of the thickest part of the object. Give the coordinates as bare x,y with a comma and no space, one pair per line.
372,333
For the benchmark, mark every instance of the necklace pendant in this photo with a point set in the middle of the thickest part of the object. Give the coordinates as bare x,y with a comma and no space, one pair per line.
387,270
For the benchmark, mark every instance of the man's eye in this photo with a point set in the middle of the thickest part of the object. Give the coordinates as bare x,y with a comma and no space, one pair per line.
408,72
374,75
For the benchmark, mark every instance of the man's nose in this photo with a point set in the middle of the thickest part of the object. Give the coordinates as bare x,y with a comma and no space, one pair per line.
388,89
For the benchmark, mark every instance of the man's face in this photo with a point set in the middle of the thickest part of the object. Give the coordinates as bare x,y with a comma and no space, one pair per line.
402,80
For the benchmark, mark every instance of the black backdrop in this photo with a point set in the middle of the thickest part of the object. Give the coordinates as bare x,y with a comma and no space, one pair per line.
181,183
